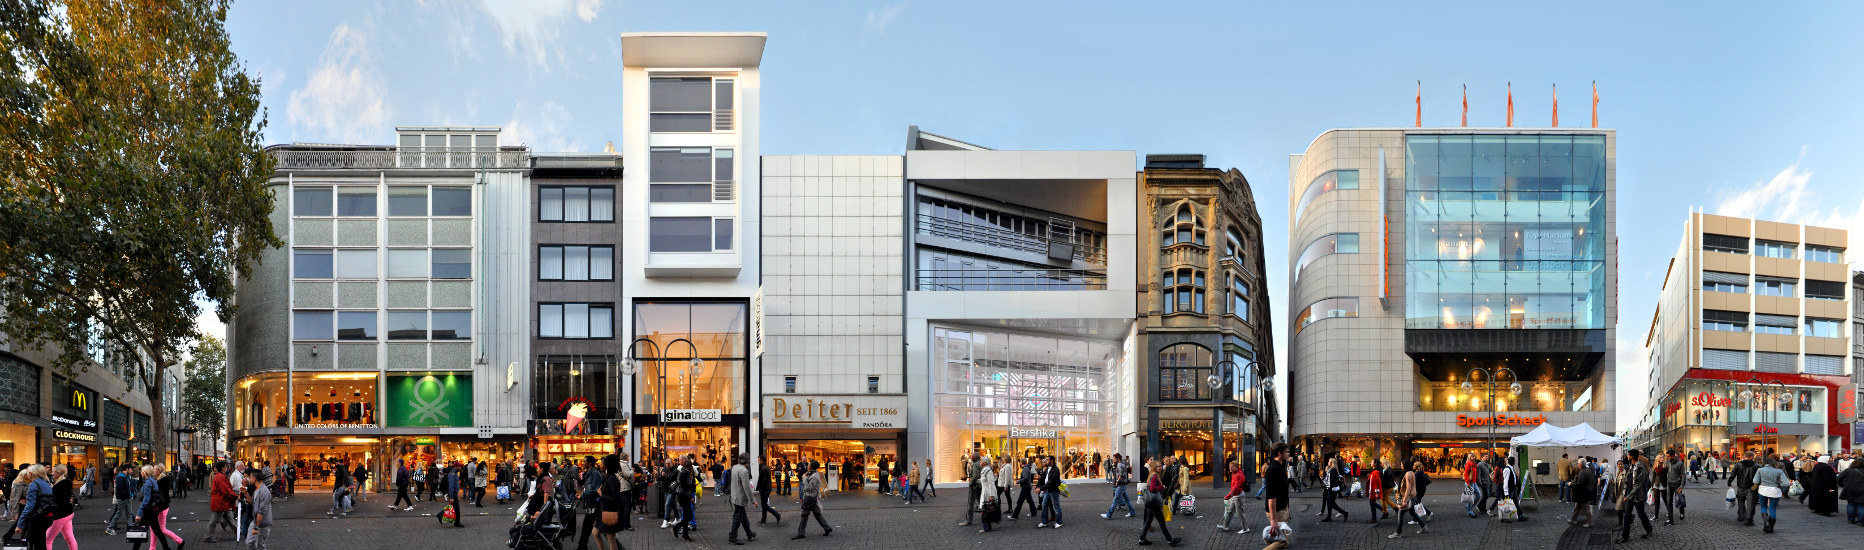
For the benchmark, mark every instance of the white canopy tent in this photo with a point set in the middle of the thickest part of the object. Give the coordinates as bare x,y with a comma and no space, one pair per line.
1549,441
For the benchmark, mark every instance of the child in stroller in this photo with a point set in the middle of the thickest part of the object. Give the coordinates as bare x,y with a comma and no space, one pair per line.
541,530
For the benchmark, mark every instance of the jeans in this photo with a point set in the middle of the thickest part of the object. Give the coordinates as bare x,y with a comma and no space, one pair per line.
670,507
929,487
1051,507
1408,508
1666,500
1330,502
118,508
1022,497
763,498
1745,503
336,504
909,491
1771,506
1260,489
1624,516
1564,490
1854,512
738,518
1119,499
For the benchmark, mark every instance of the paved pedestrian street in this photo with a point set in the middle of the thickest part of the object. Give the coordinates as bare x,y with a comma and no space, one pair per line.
867,521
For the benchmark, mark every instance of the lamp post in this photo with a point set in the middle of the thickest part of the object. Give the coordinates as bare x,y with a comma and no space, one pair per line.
632,366
1489,376
1228,369
1773,408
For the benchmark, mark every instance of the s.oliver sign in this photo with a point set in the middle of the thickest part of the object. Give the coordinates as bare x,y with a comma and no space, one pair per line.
1848,403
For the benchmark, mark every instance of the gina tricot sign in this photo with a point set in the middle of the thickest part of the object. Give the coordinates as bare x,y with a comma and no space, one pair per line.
1499,420
689,415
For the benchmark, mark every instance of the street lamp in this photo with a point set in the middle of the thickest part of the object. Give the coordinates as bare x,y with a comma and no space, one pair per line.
1228,369
1773,409
1489,376
632,366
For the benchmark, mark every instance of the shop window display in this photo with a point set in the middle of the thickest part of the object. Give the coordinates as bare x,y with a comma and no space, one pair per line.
333,399
1020,395
716,331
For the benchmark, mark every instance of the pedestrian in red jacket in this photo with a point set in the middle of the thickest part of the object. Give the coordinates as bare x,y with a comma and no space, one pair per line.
220,502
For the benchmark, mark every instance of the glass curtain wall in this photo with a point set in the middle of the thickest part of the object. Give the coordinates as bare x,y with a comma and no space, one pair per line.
716,331
1505,231
1015,394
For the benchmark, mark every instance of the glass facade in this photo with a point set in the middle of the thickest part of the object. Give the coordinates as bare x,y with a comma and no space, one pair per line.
1505,231
717,334
1013,394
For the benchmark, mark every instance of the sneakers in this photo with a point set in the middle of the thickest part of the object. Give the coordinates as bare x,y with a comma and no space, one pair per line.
663,524
111,532
408,509
1393,536
1041,525
1245,531
1104,516
1057,525
1129,514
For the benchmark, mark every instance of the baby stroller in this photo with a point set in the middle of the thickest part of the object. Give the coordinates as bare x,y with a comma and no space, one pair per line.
1187,505
543,533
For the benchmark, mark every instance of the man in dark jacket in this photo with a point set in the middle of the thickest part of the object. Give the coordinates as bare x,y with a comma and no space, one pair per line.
683,488
764,480
1747,497
1049,481
1853,493
1580,486
1025,481
402,477
971,471
1636,483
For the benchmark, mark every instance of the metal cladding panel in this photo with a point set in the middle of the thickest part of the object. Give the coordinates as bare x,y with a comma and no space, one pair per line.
1775,362
1825,364
1722,359
1720,277
502,315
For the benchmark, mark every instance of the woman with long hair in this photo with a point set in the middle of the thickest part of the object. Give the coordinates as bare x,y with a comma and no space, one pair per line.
154,515
62,506
33,502
1332,483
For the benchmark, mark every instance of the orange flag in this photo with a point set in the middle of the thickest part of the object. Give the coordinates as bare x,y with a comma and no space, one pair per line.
1595,104
1510,104
1556,105
1420,104
1465,105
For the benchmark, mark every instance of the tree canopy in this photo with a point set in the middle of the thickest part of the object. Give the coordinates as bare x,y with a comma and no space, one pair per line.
132,178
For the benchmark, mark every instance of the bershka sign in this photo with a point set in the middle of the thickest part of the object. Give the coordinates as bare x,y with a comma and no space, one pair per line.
1033,433
1499,420
689,415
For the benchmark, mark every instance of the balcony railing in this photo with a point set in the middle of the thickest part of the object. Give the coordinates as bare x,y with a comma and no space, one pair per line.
406,157
1011,279
1090,253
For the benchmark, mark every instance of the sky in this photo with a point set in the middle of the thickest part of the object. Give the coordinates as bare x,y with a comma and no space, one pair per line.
1745,109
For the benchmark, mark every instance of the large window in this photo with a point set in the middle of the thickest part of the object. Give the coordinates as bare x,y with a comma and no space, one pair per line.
575,320
981,221
312,325
451,325
452,263
1330,308
1184,291
1338,243
356,201
559,380
356,263
1505,231
310,201
576,204
689,234
1785,325
1233,246
1825,254
1330,181
407,325
356,325
311,263
1717,281
576,263
1185,227
1772,249
1183,369
716,332
690,104
1825,328
408,263
1727,321
1770,286
407,201
1239,297
1006,392
690,174
1825,290
1724,243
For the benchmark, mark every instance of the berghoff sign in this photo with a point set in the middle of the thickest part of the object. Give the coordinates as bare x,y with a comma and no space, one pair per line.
1499,420
850,411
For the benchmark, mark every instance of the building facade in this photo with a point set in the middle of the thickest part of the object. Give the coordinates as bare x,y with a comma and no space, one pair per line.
89,416
390,326
1019,287
1449,286
834,376
576,360
1203,316
1749,342
690,259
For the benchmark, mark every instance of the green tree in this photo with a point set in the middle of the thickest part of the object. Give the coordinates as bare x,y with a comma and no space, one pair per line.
131,180
204,394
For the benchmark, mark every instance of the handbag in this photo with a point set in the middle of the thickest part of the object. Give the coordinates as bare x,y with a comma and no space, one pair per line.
993,512
611,518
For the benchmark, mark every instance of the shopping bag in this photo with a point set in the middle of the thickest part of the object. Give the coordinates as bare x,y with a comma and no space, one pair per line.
1650,498
1168,512
448,515
1506,510
1229,505
1731,496
1796,490
1284,532
1681,502
1419,510
1064,490
504,492
1358,489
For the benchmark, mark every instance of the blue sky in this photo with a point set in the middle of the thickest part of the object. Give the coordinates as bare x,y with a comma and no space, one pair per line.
1739,108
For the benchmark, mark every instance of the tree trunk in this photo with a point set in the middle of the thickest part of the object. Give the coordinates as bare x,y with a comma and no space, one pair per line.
158,416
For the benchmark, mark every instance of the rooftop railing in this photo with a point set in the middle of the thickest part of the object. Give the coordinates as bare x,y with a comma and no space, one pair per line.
402,157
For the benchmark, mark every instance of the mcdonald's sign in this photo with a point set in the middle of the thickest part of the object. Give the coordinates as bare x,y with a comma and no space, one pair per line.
77,410
80,400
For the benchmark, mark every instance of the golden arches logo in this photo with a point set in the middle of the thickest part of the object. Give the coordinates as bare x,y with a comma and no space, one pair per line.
80,400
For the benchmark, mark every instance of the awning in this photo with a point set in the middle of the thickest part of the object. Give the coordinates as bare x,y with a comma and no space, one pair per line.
10,417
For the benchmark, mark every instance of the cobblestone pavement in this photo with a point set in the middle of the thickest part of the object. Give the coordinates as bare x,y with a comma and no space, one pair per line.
861,521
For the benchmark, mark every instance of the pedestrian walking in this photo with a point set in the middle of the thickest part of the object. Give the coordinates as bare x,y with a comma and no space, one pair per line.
121,499
1155,505
765,477
220,502
1580,487
1635,482
403,476
1233,500
1048,480
1006,477
1510,486
1121,474
1563,469
1741,478
1770,483
156,487
810,487
1411,493
971,466
1025,479
1333,481
1375,492
64,502
988,488
1667,476
1275,490
455,490
1822,488
261,530
1853,493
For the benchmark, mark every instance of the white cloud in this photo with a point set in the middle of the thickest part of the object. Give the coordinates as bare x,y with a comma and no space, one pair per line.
530,26
878,20
1785,198
208,323
345,98
1633,372
541,128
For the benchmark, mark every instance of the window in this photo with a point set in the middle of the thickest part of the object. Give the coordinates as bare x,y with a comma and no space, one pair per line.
721,234
452,201
356,201
1768,286
690,104
873,384
1184,291
1330,308
1825,290
589,379
1785,325
575,320
1338,243
310,201
311,325
1332,180
407,325
311,263
452,325
1184,227
1772,249
690,174
452,263
1183,369
1232,246
668,234
1239,298
1724,243
1730,321
1825,254
576,263
407,201
407,263
576,204
789,384
1718,281
355,263
1825,328
356,325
